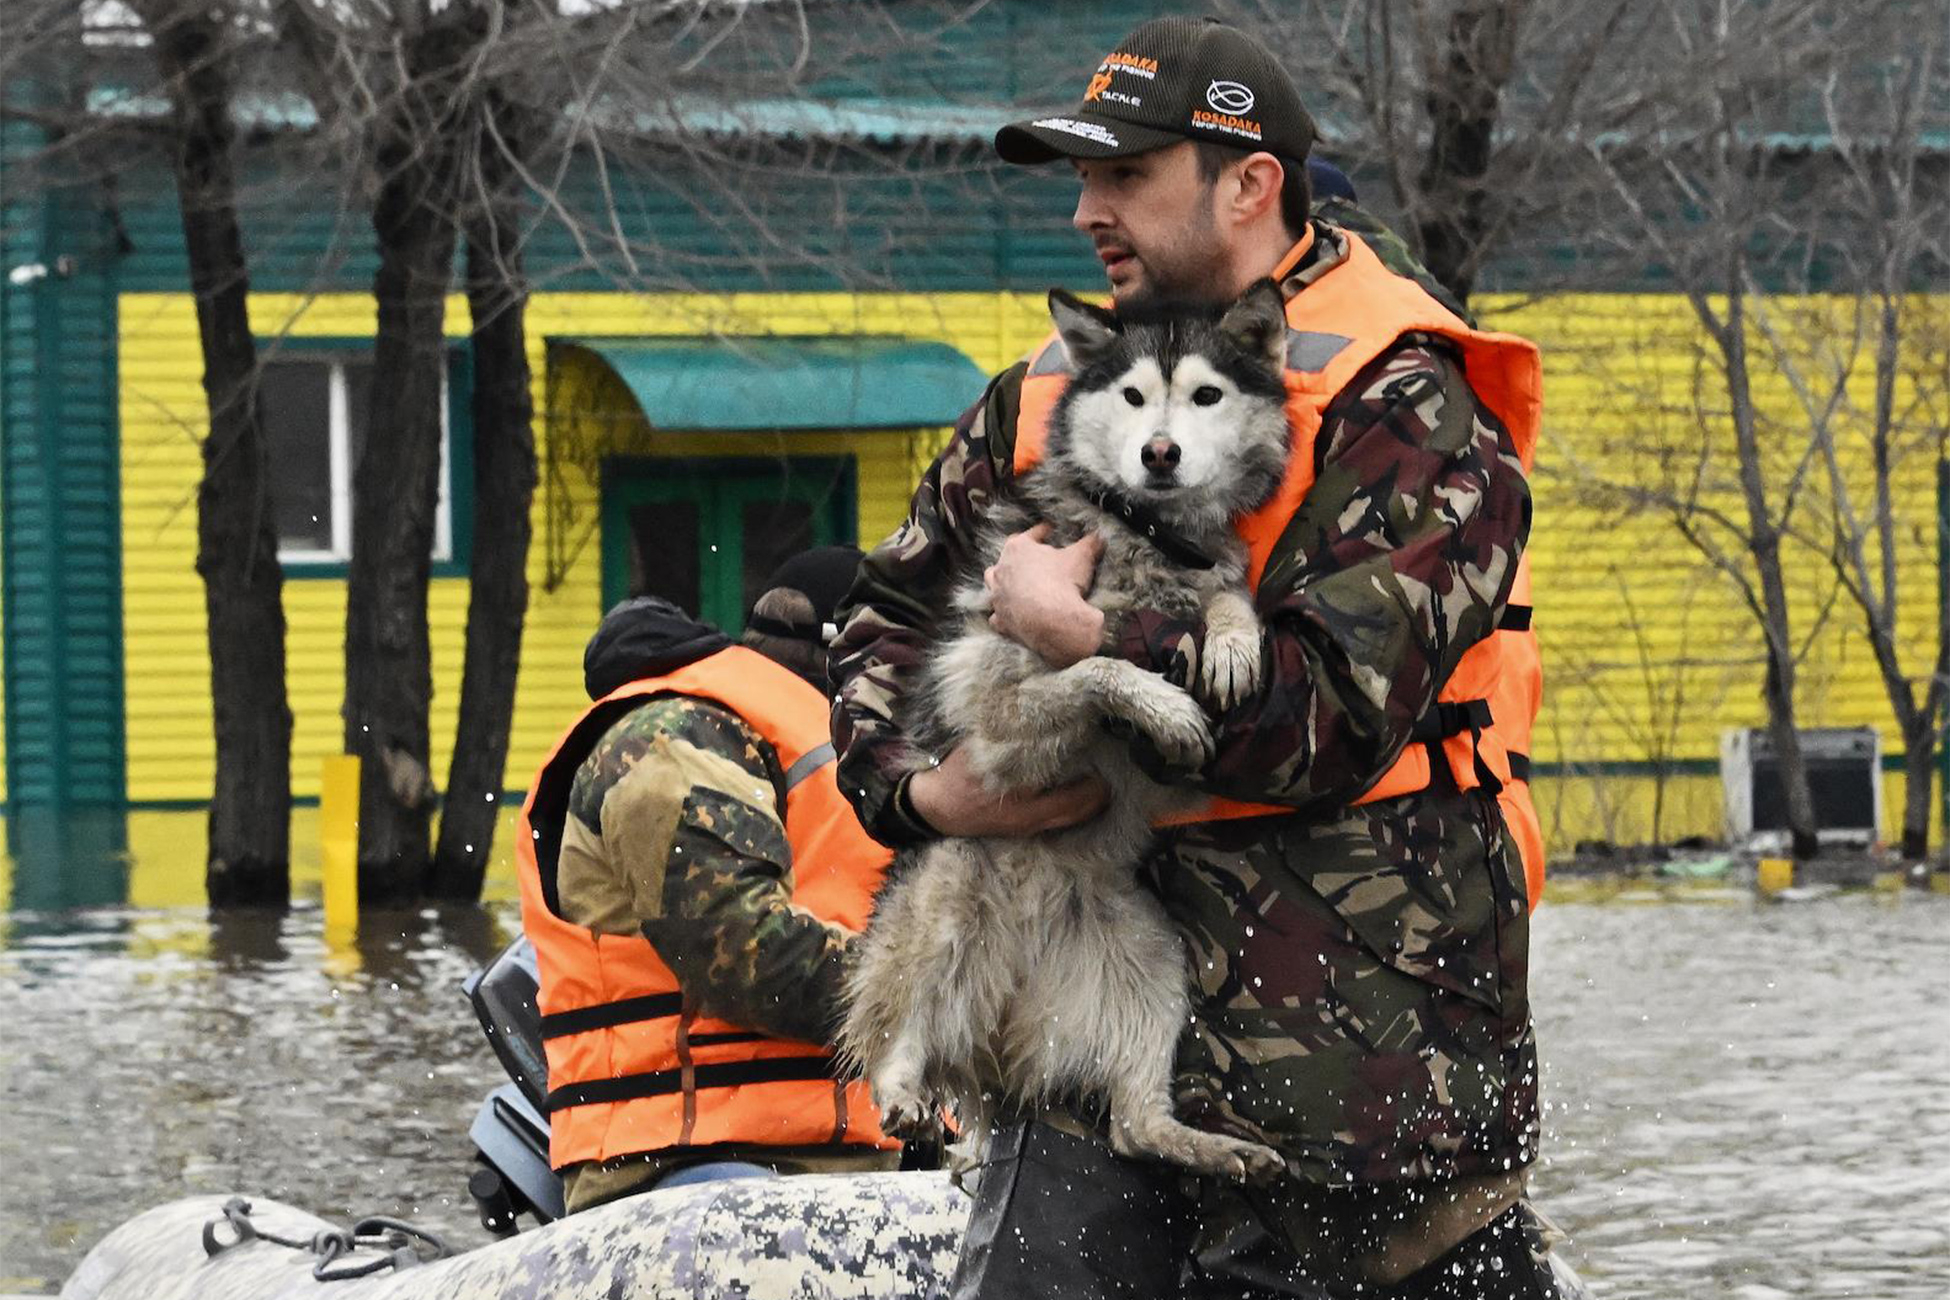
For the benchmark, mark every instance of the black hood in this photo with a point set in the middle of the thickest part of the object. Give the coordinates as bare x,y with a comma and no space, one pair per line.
645,636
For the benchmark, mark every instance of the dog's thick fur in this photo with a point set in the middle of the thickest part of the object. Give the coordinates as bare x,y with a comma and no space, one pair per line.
1027,971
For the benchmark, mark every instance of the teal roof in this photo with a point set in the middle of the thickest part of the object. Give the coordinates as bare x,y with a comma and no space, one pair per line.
883,121
783,382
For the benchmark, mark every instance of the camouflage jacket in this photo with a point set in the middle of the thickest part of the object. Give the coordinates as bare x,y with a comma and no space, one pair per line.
674,832
1360,971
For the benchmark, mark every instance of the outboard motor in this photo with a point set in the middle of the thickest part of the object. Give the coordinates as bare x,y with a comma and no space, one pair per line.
510,1131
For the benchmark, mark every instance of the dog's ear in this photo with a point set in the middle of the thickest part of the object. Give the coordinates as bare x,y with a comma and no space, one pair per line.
1257,323
1087,331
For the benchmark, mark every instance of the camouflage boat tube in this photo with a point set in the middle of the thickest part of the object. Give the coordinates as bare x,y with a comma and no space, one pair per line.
854,1237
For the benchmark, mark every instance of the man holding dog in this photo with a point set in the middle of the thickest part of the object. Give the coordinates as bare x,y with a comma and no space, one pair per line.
1354,899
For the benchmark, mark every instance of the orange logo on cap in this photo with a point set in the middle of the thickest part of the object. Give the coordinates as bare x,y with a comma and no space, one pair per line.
1098,85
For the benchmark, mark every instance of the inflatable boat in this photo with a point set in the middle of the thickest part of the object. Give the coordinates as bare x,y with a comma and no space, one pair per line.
811,1237
848,1237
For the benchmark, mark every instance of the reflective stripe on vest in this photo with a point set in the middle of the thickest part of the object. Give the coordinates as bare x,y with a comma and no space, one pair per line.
1336,326
631,1069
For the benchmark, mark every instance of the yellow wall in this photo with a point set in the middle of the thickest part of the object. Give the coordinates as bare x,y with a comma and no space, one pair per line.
170,752
1649,651
1620,381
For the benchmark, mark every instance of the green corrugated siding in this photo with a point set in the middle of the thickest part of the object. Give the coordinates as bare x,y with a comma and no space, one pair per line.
945,221
1038,55
60,503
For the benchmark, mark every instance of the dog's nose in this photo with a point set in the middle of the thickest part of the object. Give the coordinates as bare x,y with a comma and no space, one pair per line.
1160,455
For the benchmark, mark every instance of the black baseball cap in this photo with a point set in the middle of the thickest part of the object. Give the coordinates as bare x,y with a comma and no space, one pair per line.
1172,80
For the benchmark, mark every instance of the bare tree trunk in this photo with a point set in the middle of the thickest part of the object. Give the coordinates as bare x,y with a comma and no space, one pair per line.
1764,544
1919,763
237,551
388,661
1923,729
1918,727
1465,84
504,489
1936,696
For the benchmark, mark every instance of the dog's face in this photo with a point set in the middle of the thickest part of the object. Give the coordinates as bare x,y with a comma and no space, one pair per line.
1184,408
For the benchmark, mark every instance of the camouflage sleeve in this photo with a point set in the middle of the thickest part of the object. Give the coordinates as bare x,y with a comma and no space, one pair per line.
684,796
888,617
1399,559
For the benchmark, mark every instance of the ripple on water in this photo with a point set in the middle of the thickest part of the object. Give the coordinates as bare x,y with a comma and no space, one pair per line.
1749,1095
1744,1101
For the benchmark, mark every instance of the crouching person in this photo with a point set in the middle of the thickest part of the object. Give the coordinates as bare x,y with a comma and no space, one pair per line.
691,879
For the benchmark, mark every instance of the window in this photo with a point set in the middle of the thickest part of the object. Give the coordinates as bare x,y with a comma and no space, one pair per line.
314,410
705,534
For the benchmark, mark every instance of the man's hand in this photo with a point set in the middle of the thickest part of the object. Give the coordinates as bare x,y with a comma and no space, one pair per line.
1036,591
953,800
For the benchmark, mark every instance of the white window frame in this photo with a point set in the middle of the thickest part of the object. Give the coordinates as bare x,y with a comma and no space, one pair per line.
339,445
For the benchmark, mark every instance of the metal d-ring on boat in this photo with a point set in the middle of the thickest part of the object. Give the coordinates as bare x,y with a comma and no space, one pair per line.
849,1237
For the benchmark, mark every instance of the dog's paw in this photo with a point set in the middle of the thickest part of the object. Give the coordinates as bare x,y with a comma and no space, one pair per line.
1212,1154
908,1114
1228,670
1259,1165
1176,727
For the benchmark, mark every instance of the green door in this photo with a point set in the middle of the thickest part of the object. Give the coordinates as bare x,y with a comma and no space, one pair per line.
705,534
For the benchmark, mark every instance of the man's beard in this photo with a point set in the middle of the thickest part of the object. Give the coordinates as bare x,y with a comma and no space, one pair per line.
1180,275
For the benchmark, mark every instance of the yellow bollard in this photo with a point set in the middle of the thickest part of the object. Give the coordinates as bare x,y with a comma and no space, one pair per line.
338,833
1775,874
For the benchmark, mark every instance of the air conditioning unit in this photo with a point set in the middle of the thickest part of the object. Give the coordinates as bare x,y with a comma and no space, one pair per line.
1844,776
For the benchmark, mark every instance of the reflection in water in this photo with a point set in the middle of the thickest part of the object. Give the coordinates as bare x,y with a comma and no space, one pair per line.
247,940
1743,1100
154,859
155,1054
67,858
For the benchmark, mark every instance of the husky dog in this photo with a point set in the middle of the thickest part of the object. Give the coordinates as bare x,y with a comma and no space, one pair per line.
1029,971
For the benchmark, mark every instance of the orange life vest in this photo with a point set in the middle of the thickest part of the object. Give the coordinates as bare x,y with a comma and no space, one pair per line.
1514,700
631,1066
1335,327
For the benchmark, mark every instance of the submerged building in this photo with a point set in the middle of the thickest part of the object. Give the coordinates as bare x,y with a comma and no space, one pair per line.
750,338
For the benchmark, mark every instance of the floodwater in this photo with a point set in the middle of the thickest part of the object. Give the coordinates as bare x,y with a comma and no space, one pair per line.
1746,1100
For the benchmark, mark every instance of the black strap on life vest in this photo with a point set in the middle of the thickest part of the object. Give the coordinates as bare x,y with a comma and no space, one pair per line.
661,1083
1519,767
608,1015
1515,618
632,1011
1444,720
809,762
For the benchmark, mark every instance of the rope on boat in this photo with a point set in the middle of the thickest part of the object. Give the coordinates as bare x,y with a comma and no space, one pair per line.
404,1245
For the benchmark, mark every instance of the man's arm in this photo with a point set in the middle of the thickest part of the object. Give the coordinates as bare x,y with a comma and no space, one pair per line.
1400,559
683,796
903,794
889,616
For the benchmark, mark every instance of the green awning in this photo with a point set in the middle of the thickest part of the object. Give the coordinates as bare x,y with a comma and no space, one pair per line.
841,382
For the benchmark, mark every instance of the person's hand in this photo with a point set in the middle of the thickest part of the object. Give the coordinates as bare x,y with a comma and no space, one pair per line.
953,800
1036,596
